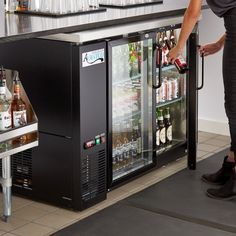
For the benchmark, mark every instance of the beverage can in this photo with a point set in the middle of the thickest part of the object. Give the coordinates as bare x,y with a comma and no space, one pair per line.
175,88
163,90
182,86
169,94
158,96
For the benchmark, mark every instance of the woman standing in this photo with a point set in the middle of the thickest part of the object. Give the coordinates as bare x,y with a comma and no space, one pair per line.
226,9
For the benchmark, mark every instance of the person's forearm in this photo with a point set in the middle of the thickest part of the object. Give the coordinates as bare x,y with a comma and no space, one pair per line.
191,17
221,41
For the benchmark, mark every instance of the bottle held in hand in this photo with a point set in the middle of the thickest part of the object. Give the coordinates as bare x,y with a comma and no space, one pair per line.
179,62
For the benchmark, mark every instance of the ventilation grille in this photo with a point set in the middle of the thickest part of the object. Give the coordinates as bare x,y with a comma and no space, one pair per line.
93,175
22,169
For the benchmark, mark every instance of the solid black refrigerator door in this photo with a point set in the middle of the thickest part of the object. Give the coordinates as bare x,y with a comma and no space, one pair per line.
130,130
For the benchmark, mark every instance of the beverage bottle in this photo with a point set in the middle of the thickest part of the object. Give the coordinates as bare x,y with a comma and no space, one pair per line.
3,77
168,125
5,107
172,38
179,62
23,5
159,43
165,49
133,60
139,139
11,5
134,149
162,128
18,106
157,133
139,55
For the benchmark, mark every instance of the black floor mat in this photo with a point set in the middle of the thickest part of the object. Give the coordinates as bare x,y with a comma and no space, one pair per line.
183,196
175,206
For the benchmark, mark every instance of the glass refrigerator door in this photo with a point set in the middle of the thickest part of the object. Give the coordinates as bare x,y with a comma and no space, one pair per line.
171,115
131,105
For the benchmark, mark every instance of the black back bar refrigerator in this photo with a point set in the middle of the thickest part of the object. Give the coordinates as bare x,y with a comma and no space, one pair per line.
67,85
106,99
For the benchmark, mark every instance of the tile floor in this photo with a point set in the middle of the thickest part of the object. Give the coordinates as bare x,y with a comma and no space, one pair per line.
31,218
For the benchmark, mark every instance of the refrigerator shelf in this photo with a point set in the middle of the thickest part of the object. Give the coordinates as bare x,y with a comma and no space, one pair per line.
127,79
138,164
123,118
167,68
175,143
169,102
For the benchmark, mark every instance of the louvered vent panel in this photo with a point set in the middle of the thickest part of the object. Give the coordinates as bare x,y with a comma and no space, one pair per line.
93,175
22,169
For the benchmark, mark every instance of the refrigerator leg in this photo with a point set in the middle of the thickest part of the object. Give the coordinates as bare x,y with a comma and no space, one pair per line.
6,182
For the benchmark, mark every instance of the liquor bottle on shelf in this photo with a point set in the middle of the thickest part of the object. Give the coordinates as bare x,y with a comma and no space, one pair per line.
162,128
23,5
3,77
168,125
18,106
157,133
179,62
5,106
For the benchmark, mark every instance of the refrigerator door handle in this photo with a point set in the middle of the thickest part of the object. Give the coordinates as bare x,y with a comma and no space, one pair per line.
202,83
154,86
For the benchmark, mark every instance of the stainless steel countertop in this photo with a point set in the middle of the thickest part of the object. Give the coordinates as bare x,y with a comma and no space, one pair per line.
18,26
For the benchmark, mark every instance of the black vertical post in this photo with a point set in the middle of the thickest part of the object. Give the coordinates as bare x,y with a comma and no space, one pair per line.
192,101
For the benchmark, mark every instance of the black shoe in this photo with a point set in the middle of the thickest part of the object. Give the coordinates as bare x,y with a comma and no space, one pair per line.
226,192
221,176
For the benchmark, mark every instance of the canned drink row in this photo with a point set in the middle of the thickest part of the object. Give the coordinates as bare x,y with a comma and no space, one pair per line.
169,90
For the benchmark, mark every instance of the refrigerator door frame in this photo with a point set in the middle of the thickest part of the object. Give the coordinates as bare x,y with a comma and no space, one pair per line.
112,43
192,85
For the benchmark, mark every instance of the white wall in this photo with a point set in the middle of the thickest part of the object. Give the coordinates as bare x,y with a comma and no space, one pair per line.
211,112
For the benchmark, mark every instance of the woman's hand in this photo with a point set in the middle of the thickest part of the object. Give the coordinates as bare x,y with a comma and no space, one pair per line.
173,54
210,48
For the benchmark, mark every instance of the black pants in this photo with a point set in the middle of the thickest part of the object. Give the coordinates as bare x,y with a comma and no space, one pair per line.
229,73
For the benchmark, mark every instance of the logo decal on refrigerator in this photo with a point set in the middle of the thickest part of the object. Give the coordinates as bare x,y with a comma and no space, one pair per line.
93,57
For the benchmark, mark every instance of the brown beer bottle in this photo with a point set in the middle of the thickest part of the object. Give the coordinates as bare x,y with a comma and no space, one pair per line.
157,132
168,125
162,128
179,62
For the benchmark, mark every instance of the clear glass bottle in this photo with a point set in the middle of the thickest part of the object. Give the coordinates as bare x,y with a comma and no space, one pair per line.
11,5
19,116
5,105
